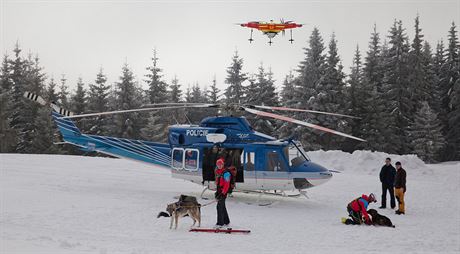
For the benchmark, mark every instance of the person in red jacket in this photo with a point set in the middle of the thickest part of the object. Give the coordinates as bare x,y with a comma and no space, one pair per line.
223,178
357,209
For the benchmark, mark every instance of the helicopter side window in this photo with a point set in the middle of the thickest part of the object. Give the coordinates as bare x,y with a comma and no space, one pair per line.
250,159
177,158
191,159
274,162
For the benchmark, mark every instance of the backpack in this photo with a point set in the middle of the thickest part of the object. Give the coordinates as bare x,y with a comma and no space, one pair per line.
232,180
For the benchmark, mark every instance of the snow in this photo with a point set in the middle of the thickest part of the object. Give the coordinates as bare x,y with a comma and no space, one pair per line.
73,204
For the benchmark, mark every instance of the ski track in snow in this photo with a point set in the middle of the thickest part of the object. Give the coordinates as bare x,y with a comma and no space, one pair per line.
74,204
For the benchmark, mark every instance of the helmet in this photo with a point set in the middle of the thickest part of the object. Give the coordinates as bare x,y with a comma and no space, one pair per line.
372,198
220,161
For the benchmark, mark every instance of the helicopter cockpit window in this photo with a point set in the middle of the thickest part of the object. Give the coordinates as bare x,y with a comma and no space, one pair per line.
177,158
191,159
296,155
274,163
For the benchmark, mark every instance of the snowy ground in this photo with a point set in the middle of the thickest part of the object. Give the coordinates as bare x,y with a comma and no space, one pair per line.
72,204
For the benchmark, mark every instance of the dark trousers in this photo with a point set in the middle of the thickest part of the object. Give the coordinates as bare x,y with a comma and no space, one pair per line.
222,215
390,189
356,216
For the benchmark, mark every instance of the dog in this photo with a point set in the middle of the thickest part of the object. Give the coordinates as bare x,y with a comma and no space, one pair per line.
379,220
186,206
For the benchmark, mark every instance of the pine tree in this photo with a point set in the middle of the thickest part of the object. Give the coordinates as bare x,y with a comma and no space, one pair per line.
427,138
157,88
418,76
128,96
311,71
51,94
374,120
213,92
262,92
356,94
79,104
398,101
235,77
288,99
436,104
26,76
449,81
330,98
79,98
63,94
453,135
98,101
175,92
7,134
156,128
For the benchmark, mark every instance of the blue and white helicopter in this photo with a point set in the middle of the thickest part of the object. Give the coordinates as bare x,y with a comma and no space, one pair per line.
262,163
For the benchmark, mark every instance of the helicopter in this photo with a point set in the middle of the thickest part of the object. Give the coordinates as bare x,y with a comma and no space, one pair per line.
271,29
262,162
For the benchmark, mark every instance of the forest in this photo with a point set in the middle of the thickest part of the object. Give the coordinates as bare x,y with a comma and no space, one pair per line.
405,91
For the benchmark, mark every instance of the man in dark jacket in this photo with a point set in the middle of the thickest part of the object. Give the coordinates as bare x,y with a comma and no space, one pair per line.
400,187
387,178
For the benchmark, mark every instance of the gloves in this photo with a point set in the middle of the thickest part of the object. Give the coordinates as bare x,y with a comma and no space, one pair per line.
218,196
367,221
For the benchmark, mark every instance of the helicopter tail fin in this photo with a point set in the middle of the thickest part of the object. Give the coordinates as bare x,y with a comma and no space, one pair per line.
66,126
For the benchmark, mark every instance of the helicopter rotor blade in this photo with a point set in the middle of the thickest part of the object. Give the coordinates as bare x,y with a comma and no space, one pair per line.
303,110
174,104
292,120
140,110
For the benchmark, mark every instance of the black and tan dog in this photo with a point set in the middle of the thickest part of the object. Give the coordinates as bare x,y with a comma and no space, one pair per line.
186,206
380,220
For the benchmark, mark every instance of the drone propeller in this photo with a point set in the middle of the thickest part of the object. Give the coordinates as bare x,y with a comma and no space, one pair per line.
292,120
302,110
140,110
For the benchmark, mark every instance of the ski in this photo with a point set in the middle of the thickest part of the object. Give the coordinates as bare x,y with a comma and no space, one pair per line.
221,230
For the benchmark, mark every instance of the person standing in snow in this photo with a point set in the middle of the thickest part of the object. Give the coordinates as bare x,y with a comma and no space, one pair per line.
387,178
357,210
400,188
223,179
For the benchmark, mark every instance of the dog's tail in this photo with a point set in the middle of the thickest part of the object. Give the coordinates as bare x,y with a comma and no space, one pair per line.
163,214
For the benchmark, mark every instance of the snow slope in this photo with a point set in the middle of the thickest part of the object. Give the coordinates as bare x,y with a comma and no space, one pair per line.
73,204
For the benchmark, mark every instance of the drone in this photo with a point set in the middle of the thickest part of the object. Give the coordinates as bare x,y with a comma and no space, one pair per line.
262,163
271,29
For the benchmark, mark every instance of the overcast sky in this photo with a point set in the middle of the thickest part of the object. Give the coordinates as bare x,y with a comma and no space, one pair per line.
195,40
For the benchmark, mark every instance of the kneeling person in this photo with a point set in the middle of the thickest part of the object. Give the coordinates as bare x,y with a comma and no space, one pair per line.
357,209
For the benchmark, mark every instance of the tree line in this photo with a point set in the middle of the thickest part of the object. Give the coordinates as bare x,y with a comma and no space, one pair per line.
405,92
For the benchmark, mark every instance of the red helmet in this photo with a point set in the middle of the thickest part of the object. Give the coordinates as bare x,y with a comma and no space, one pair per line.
220,161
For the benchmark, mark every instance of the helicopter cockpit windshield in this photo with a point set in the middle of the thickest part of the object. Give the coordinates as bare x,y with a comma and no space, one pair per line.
296,154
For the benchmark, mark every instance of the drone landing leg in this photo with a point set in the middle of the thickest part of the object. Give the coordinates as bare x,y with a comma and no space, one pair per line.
270,42
291,40
250,38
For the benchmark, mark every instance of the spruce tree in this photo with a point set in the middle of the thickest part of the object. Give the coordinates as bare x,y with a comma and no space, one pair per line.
426,135
330,97
398,96
7,134
175,92
128,96
453,135
374,120
449,81
63,94
311,71
79,105
51,94
235,92
288,99
98,101
213,92
156,128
